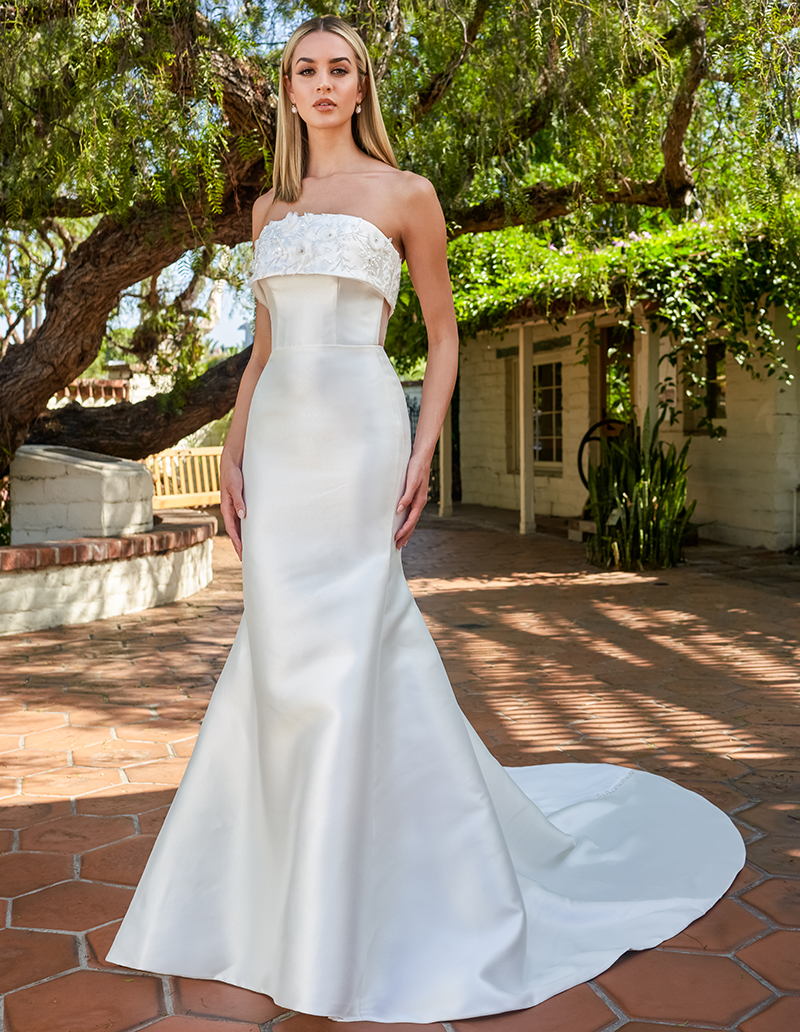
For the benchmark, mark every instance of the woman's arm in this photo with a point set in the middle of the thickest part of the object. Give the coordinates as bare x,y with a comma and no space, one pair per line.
231,487
425,245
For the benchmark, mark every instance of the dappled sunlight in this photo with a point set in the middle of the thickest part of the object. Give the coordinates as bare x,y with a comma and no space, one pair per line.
620,667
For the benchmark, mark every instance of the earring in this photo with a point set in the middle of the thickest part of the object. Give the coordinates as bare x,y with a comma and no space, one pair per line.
294,110
358,109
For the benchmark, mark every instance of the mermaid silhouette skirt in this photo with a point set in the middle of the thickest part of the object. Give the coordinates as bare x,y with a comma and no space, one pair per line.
341,839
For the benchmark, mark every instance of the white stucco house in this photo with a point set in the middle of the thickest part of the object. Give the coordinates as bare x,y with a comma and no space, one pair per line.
528,394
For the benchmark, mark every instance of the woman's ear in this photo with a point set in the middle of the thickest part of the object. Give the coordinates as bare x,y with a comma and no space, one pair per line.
287,85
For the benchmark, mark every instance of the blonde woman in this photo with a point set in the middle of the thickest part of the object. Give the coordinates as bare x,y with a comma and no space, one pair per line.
342,841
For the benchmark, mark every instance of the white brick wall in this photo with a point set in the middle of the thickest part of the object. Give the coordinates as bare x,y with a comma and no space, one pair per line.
744,483
62,493
48,597
482,425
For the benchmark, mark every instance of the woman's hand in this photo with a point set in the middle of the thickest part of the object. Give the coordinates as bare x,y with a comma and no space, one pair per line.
414,498
231,502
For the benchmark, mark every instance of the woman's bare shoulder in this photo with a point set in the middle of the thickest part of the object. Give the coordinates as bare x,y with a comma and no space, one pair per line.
261,210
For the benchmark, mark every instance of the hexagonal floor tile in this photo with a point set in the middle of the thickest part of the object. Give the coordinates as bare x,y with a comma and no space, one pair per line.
89,1001
778,898
20,763
781,1016
158,730
66,737
211,999
31,956
72,906
311,1023
9,742
647,1026
113,753
725,927
185,747
22,813
162,772
98,943
23,872
69,781
663,986
776,958
576,1010
776,854
76,833
779,815
104,717
123,799
766,783
181,1023
673,764
151,822
121,862
23,722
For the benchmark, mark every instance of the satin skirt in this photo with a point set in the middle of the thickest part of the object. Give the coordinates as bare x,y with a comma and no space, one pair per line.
342,840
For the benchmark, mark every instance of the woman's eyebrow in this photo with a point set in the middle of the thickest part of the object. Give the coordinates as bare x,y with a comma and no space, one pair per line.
333,60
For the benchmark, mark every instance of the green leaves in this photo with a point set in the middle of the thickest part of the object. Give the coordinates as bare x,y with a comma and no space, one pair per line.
704,282
637,498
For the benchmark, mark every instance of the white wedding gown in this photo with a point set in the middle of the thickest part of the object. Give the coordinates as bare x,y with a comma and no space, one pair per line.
341,839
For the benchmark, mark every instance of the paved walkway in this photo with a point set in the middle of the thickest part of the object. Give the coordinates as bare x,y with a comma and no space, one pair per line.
691,673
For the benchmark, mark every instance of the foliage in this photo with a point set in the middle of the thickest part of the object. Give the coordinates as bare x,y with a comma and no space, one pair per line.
591,112
704,281
5,512
637,498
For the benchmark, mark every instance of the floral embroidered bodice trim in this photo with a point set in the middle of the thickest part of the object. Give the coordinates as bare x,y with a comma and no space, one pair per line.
318,244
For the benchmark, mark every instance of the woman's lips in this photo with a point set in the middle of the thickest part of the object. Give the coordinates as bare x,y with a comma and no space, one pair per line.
322,104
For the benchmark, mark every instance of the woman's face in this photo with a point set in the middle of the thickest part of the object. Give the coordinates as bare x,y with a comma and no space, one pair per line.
324,84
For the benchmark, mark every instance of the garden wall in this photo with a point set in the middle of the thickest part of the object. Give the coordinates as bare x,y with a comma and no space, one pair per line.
85,579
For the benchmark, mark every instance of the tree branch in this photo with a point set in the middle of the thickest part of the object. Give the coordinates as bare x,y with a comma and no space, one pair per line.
136,431
672,188
441,82
677,177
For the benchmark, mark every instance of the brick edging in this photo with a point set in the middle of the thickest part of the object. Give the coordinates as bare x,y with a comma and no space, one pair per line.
164,537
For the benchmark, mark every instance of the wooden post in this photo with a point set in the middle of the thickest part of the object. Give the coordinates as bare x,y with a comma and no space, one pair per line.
527,520
446,466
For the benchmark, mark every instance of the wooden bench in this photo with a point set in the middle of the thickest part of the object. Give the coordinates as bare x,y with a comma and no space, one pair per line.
185,477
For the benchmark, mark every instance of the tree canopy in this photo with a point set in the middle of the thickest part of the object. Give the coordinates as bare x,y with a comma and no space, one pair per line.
135,133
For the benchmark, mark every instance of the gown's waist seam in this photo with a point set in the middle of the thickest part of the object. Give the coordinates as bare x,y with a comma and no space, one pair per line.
325,347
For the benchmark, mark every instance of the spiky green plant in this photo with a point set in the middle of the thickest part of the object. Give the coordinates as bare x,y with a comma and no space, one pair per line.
637,498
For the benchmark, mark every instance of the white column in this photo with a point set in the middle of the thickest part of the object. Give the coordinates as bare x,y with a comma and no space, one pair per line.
527,520
645,369
446,466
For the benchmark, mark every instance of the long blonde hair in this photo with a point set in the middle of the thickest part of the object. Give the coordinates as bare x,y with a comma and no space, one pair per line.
291,143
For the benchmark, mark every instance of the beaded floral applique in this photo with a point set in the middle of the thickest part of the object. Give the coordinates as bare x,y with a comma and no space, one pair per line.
319,244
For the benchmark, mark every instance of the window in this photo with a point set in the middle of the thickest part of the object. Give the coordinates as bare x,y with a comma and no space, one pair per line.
714,384
547,412
616,364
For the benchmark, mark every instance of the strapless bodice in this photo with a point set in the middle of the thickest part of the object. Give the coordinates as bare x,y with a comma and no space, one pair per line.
324,279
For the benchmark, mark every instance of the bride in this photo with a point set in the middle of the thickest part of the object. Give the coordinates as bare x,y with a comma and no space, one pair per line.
342,840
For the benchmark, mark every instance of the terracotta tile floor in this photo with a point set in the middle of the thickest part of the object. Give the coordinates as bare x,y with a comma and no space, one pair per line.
689,673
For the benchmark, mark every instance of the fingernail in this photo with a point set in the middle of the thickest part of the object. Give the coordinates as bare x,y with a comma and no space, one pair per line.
400,508
241,514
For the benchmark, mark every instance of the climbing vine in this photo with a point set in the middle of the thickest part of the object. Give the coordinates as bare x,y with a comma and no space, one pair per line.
704,281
